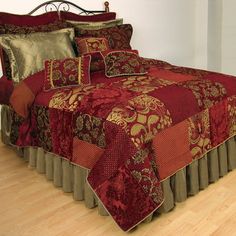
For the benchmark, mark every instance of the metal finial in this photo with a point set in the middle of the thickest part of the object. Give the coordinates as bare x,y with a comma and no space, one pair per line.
106,6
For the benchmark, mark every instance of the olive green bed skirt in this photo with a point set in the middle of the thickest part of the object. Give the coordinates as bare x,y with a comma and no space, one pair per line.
71,178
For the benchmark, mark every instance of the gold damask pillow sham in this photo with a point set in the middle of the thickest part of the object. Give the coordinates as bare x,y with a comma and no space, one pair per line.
95,25
27,53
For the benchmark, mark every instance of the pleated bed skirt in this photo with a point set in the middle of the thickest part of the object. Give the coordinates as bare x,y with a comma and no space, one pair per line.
72,178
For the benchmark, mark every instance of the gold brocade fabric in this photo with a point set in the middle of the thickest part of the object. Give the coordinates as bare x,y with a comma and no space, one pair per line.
67,72
139,119
70,99
27,53
96,25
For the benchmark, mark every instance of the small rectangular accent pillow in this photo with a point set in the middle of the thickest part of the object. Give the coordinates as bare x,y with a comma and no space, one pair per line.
27,20
67,72
28,52
120,63
95,25
119,37
87,18
91,44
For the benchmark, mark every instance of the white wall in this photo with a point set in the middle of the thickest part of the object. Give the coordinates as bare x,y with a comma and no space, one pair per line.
201,33
164,29
214,45
229,37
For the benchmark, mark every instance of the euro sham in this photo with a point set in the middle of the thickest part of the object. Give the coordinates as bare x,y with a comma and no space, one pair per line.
15,29
119,37
27,20
95,25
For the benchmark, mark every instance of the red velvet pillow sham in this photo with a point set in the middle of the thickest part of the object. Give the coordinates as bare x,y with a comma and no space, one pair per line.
87,18
119,37
67,72
27,20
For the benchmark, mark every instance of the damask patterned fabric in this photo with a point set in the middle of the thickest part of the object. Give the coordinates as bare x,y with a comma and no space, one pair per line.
67,72
14,29
119,36
95,25
91,44
127,123
119,63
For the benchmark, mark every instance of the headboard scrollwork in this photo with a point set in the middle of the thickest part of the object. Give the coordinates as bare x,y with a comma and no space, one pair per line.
62,5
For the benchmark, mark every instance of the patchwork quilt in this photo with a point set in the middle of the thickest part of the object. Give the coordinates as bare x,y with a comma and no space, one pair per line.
133,132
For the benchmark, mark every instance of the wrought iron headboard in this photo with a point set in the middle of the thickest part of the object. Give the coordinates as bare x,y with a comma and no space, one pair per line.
61,5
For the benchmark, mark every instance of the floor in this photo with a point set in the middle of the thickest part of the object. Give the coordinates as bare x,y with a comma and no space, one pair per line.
30,205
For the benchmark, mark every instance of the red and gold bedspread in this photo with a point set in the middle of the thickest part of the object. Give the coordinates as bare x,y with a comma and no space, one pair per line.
134,132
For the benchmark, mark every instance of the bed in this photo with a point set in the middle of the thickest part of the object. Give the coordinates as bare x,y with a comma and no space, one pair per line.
102,122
